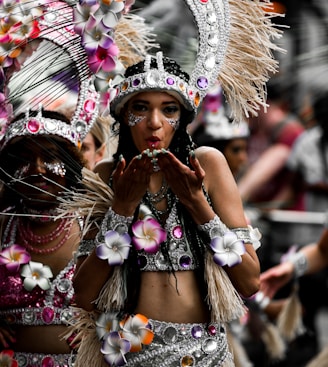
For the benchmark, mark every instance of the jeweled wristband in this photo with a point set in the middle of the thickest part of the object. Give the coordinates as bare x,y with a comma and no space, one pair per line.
116,222
300,263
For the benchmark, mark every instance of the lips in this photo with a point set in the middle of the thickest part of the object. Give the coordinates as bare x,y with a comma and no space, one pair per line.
153,142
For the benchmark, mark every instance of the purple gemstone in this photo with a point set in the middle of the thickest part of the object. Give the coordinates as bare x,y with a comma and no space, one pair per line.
185,261
197,331
170,81
136,82
177,232
202,82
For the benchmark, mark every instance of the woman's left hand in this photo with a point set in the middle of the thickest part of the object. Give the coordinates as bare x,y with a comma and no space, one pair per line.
183,181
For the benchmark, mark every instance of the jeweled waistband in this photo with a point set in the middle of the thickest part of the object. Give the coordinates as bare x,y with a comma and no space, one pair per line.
43,360
175,344
47,315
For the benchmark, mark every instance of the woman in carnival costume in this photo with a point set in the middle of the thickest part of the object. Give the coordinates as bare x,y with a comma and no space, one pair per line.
164,270
41,51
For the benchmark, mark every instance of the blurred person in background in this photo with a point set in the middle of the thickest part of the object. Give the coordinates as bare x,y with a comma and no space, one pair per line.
307,163
273,133
98,144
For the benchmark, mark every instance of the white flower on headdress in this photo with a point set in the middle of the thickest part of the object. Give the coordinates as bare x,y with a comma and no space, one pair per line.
115,249
109,12
96,35
227,249
36,274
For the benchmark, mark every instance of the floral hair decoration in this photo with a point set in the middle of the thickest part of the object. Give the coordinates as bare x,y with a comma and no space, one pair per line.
71,45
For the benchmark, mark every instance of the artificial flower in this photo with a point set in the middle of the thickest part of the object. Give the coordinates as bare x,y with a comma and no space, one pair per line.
255,237
109,12
106,322
148,235
227,249
82,13
103,59
104,81
114,348
136,330
36,274
115,249
96,35
13,257
7,358
145,212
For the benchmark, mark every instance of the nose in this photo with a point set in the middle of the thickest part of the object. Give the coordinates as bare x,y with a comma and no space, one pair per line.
154,119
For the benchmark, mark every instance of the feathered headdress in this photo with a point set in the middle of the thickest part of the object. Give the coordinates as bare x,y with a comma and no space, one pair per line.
53,50
235,46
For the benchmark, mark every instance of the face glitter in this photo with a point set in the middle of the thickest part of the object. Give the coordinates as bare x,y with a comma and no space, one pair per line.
133,119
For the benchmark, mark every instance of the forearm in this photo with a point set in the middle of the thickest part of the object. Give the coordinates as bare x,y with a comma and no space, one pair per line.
89,279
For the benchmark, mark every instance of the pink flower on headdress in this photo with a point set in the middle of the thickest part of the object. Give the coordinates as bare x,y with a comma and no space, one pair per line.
7,358
103,59
148,235
13,257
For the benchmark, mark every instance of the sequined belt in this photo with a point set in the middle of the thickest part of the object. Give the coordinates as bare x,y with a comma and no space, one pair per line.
47,315
175,344
44,360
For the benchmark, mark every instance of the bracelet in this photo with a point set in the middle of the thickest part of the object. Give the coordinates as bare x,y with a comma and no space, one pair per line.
299,262
214,228
85,248
261,300
115,222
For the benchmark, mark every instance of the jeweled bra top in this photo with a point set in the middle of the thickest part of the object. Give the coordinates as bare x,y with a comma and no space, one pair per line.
36,307
181,257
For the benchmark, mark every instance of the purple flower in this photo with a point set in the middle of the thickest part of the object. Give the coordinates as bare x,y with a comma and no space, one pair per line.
103,59
227,249
115,249
114,349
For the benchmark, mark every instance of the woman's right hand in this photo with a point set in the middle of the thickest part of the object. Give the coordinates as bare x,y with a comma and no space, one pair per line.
130,183
7,336
275,278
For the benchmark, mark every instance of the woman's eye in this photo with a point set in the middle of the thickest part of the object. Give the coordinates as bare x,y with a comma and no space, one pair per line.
138,107
171,110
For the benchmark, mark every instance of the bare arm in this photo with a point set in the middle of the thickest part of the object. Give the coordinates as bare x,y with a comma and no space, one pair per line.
317,258
263,170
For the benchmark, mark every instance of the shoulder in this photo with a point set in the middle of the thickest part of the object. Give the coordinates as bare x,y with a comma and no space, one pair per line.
207,154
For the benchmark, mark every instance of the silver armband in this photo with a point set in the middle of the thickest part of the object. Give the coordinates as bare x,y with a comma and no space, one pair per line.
299,262
214,228
116,222
85,248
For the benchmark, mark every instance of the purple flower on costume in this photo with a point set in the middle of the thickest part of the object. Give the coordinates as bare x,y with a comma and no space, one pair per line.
114,349
103,59
13,257
148,235
115,249
227,249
